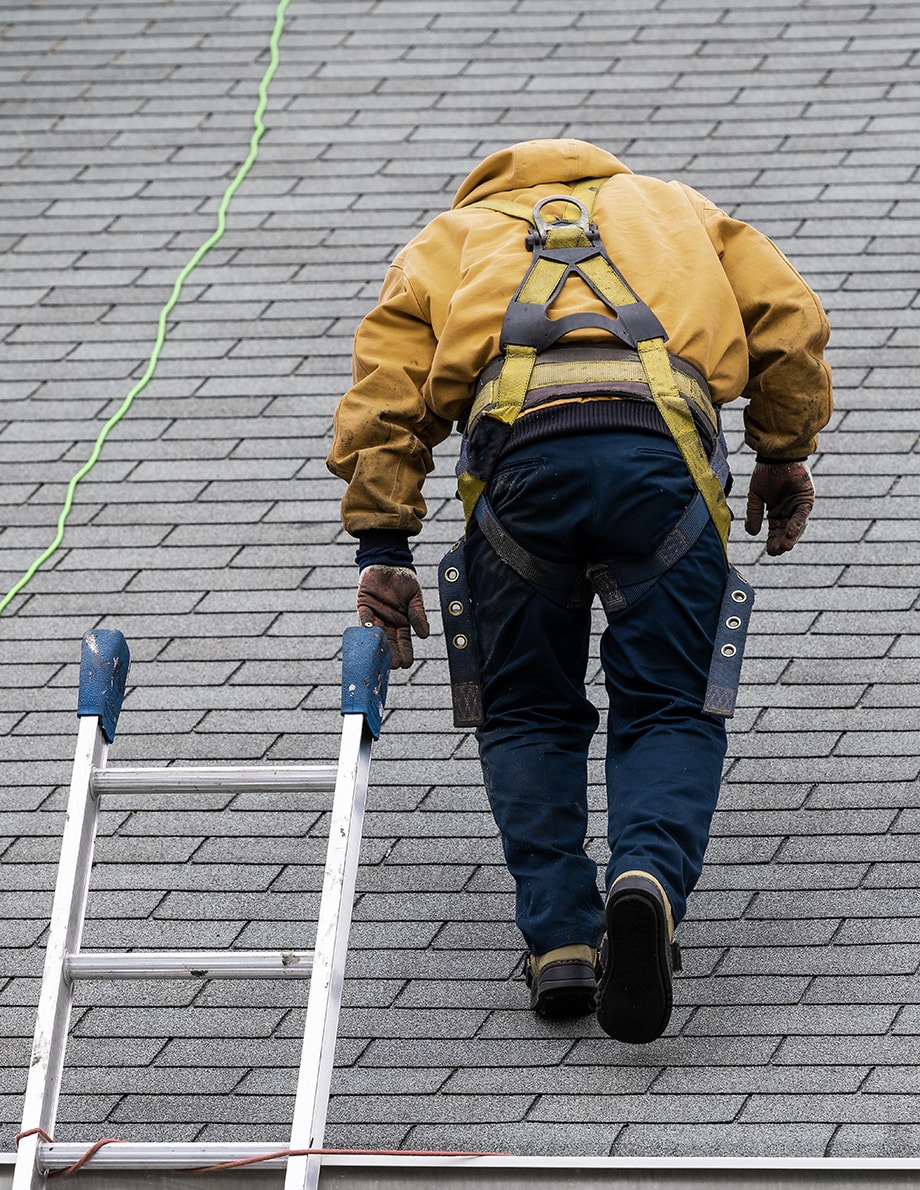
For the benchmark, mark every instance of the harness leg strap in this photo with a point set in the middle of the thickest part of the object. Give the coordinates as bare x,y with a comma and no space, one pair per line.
460,635
728,650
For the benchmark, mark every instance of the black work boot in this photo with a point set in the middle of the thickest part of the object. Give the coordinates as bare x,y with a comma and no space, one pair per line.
562,982
638,958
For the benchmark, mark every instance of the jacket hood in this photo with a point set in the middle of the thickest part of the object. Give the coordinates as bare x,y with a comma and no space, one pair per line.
533,162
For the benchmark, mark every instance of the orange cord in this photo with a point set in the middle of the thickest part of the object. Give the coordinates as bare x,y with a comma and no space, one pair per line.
32,1132
108,1140
337,1153
59,1173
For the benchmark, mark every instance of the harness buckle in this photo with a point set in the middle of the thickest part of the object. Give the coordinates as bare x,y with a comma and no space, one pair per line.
541,229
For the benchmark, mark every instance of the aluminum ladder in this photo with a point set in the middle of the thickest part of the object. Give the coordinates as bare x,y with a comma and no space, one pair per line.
103,672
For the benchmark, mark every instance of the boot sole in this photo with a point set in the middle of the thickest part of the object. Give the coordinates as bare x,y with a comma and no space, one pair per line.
634,996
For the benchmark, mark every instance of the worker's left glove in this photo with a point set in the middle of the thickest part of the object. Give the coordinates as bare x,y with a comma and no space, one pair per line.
390,598
787,492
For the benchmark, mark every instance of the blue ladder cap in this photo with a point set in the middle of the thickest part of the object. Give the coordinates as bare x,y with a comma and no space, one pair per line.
103,673
365,668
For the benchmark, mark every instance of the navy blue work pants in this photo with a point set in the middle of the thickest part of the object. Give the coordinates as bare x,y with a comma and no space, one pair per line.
588,498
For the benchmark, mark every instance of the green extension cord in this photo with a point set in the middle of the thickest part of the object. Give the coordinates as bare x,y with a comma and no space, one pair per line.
113,421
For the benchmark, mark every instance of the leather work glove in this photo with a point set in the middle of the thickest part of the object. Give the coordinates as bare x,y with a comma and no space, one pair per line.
787,492
390,598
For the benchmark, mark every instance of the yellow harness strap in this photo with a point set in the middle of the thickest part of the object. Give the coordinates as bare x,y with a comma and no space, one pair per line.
511,389
675,413
470,489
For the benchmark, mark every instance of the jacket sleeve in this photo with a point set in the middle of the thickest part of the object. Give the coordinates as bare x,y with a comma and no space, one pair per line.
384,432
789,382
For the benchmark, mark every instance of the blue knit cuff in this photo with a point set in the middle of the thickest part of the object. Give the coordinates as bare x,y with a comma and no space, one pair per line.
384,547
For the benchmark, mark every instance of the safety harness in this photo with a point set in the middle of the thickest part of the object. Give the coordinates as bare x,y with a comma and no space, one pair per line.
530,373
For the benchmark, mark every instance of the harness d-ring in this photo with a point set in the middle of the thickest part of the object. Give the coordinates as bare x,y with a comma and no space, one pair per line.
541,228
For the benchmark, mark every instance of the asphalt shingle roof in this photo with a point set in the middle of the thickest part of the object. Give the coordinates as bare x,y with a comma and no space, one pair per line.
208,533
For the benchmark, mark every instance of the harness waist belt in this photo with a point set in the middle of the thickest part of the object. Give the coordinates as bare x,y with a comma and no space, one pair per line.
593,372
573,378
589,355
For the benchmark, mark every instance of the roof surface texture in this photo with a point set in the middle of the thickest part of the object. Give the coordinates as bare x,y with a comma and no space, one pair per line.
208,534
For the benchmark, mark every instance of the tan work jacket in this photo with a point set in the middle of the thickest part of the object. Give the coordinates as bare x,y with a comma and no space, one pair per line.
732,305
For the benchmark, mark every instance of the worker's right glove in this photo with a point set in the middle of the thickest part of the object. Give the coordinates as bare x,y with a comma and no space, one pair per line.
390,598
787,492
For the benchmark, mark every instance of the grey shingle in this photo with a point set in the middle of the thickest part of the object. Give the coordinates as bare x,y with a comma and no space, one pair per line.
788,1139
874,1140
836,1109
781,1021
525,1138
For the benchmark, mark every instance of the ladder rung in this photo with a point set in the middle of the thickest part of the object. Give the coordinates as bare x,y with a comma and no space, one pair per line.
190,964
252,779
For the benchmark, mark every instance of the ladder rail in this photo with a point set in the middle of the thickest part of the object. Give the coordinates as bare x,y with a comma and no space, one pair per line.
64,933
336,905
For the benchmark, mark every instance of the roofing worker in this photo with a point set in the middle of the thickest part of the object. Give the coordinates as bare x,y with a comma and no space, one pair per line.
592,462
